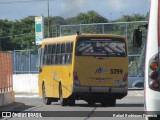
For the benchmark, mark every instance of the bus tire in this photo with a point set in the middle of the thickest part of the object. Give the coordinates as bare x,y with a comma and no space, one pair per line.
46,100
71,102
63,101
104,103
91,103
112,102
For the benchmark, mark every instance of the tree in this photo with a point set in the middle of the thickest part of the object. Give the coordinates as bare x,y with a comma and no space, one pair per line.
134,17
87,18
4,36
55,23
23,33
91,17
20,34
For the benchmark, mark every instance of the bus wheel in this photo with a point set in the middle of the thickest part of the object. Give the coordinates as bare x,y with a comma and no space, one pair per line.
63,101
46,100
71,102
91,103
104,103
112,102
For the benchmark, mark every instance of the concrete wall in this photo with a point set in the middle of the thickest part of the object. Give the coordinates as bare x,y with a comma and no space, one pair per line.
22,83
25,83
7,98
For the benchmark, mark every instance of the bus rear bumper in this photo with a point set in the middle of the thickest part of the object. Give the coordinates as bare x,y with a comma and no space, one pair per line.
100,89
107,92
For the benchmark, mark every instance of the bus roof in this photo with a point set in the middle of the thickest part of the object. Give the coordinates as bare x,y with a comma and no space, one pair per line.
74,37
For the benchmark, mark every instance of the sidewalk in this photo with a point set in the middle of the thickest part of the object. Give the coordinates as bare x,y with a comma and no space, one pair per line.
139,93
11,107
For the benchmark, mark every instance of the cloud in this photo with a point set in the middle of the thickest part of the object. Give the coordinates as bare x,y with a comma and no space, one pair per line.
70,8
117,5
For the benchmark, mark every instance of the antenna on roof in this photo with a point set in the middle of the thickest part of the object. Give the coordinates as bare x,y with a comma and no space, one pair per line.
77,32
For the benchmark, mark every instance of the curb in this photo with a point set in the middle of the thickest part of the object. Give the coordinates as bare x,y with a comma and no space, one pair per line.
26,95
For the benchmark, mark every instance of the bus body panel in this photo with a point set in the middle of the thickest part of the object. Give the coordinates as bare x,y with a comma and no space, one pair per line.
52,76
89,73
101,74
152,99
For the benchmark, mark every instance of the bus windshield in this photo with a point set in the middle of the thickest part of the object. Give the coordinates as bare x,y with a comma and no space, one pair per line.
105,47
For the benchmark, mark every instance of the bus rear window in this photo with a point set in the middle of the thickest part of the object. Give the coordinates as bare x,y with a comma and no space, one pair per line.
106,47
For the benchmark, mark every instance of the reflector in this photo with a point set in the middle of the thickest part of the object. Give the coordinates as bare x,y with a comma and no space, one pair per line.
154,75
155,84
154,65
125,77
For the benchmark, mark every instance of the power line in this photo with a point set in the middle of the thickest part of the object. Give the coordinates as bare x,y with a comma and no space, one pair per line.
24,1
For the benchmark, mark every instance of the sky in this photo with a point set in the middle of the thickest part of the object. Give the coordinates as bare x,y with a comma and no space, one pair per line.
111,9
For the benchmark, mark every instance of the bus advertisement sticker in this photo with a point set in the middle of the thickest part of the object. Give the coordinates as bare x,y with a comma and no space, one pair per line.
116,81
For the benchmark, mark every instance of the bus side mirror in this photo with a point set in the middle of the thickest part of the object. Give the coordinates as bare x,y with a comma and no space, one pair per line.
137,38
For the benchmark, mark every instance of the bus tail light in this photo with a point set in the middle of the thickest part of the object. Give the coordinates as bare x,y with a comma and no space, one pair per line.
155,84
75,75
125,77
76,79
154,75
154,65
154,72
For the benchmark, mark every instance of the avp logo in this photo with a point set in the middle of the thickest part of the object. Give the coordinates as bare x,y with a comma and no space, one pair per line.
101,70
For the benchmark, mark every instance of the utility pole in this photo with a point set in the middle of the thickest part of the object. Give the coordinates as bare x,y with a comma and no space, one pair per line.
48,21
110,16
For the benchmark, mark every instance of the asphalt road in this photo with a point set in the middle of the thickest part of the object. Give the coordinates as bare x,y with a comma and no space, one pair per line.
128,108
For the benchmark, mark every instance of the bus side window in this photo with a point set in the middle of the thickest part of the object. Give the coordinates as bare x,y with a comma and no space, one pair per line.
49,54
67,53
58,50
68,56
62,54
45,55
71,50
53,58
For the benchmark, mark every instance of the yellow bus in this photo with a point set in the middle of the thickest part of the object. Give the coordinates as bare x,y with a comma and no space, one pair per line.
90,67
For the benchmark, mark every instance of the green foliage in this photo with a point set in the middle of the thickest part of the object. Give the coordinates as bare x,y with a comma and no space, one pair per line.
20,34
87,18
17,34
134,17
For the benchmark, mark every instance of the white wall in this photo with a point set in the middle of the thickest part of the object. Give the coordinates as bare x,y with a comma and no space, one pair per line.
25,83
